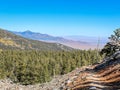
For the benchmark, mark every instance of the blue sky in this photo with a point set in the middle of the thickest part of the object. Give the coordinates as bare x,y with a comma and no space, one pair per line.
61,17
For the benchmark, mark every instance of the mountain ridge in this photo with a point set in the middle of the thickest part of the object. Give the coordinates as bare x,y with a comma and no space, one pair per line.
77,44
37,36
9,40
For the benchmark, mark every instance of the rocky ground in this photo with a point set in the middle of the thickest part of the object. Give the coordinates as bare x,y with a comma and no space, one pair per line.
102,76
57,83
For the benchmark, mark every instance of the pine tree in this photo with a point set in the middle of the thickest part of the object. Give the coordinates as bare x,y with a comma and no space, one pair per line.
114,44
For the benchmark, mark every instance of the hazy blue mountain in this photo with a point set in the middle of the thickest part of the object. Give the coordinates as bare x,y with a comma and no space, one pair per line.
79,42
8,40
39,36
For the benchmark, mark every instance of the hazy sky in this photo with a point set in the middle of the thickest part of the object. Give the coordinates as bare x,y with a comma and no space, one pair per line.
61,17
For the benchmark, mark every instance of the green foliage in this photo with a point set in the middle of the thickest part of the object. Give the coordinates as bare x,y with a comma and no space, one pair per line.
114,44
116,37
30,67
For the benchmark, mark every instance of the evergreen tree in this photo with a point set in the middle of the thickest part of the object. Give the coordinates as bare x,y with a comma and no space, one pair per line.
114,44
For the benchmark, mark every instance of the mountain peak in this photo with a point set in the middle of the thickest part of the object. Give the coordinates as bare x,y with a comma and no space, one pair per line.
27,31
9,40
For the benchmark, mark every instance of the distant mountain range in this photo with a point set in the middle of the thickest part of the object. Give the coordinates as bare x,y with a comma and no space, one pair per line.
78,42
8,40
39,36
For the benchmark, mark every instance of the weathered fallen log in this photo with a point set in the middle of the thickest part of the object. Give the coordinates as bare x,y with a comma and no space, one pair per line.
104,76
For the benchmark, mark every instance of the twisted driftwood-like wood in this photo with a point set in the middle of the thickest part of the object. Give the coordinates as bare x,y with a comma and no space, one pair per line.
104,76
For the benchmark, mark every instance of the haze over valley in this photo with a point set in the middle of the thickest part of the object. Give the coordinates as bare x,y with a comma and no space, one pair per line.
77,42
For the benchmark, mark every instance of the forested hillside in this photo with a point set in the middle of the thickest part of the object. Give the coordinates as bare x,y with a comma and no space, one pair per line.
30,67
62,68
